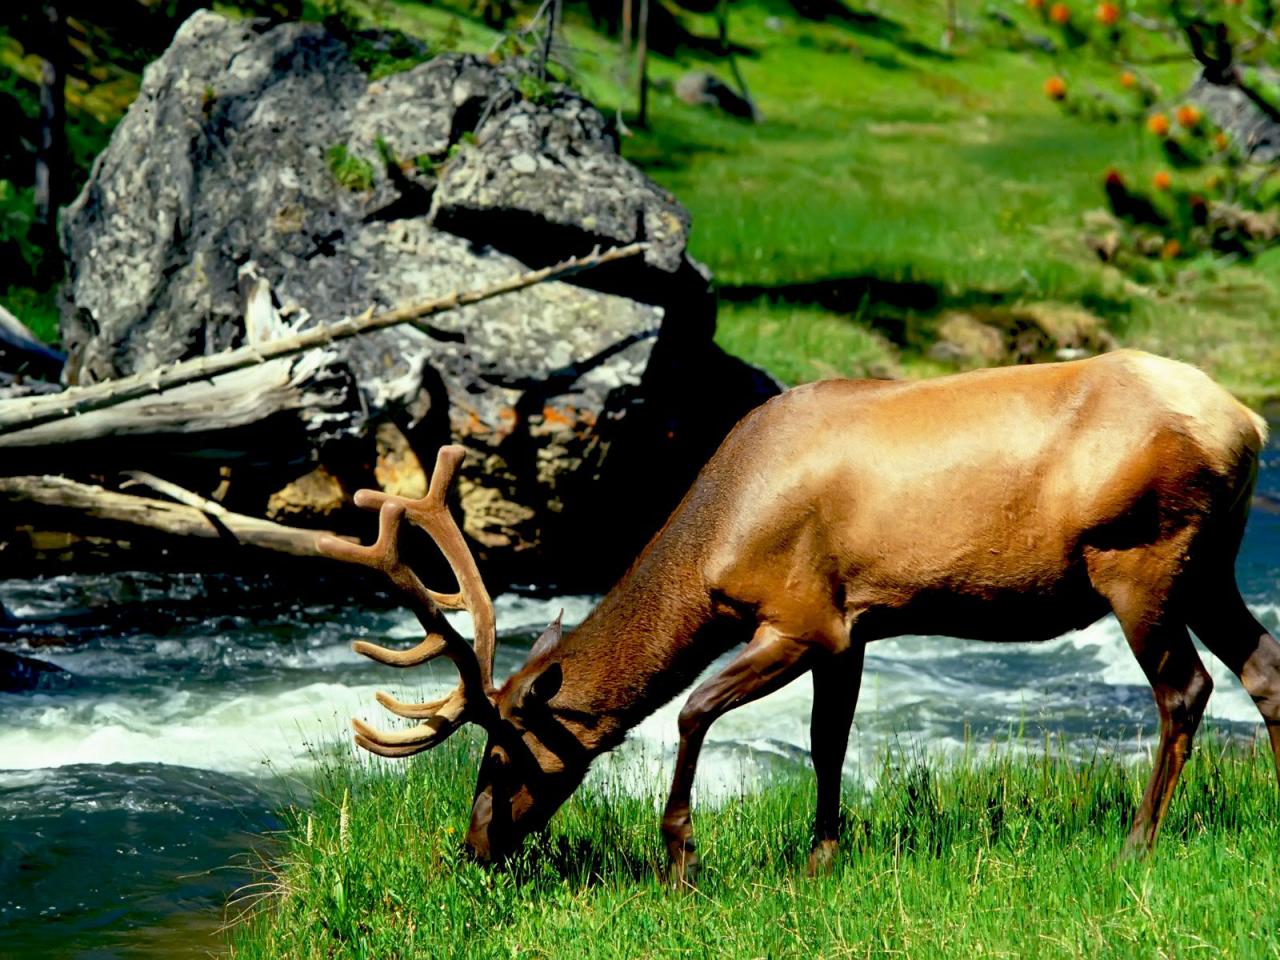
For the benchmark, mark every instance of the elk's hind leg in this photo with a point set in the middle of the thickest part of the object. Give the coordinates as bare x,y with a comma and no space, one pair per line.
769,661
836,681
1224,624
1139,584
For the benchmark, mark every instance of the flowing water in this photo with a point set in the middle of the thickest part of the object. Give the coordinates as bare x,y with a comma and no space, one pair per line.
131,799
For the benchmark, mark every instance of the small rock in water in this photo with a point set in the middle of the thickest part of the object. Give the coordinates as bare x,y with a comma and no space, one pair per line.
18,673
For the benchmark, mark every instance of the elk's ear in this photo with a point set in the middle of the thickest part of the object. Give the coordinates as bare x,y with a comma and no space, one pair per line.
545,685
549,638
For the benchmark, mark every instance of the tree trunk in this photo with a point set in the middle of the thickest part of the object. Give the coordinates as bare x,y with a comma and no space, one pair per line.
642,63
553,19
51,152
722,22
624,64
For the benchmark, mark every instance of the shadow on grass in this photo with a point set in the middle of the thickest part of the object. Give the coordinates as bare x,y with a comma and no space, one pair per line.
865,23
860,294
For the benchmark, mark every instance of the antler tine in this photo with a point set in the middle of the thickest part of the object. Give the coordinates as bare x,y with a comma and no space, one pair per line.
412,711
431,514
470,700
384,555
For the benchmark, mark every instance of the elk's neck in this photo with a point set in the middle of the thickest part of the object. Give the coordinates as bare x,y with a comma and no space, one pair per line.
644,643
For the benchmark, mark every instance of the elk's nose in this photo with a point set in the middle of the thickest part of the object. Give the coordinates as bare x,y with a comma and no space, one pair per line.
477,843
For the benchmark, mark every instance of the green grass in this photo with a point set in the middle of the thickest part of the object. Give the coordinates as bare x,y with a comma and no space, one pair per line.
349,169
1000,856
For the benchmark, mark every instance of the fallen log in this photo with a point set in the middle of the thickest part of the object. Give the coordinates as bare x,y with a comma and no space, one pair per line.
21,352
26,413
236,399
205,520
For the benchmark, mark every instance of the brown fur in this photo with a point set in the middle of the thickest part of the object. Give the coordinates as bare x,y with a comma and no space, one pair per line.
1007,504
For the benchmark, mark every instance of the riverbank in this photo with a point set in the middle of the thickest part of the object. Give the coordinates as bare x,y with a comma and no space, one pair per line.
995,854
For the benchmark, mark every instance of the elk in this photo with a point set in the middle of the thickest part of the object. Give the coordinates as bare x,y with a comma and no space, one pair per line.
1007,504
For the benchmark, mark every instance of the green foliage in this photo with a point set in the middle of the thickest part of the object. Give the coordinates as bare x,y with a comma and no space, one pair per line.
375,47
536,90
350,169
391,52
21,256
1010,855
37,308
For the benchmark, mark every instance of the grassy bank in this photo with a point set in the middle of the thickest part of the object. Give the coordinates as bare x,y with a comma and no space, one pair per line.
893,183
1001,857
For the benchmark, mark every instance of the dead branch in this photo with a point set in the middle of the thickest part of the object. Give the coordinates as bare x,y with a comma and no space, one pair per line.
235,399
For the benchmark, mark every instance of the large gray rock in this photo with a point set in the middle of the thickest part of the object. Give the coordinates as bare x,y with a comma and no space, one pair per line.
266,153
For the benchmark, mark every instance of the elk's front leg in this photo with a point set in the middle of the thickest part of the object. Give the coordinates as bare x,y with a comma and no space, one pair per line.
836,682
771,660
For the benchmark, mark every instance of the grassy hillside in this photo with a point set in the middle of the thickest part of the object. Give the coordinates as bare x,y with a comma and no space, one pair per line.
893,184
1008,858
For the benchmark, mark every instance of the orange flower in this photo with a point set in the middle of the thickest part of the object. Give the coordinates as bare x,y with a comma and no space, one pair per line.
1128,80
1188,116
1055,88
1060,13
1108,14
1035,4
1158,124
1171,250
1162,180
1220,141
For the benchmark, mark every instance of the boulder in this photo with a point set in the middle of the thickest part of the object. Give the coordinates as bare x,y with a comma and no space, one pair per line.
261,173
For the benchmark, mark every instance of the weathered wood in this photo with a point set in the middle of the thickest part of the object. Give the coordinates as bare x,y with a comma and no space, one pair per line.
30,412
177,519
29,355
236,399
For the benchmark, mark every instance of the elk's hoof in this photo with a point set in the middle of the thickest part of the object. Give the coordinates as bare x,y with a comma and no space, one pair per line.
823,858
684,865
1136,847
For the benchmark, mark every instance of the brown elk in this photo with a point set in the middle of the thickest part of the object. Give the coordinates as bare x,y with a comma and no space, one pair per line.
1006,504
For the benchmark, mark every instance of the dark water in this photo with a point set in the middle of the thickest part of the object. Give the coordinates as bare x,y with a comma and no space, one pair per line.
133,802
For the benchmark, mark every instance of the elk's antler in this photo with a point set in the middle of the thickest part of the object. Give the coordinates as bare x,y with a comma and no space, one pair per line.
470,701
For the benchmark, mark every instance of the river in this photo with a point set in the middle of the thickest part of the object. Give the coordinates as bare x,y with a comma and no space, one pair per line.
132,801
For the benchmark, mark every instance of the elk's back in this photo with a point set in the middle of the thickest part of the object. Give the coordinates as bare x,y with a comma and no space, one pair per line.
968,499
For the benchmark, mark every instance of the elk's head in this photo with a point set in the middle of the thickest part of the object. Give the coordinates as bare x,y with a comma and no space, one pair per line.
531,762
